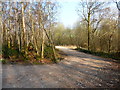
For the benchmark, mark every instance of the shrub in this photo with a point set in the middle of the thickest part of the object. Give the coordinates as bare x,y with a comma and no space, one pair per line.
7,52
48,52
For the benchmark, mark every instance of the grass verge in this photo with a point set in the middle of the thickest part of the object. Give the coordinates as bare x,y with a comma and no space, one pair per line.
115,56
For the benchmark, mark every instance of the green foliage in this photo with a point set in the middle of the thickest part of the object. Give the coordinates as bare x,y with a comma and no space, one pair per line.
24,55
7,52
48,52
37,63
63,36
3,61
28,56
38,57
102,54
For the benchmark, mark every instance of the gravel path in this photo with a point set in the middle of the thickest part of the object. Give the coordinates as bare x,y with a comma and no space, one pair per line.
77,70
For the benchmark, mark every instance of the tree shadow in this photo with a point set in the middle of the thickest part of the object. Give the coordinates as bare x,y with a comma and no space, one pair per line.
15,76
99,77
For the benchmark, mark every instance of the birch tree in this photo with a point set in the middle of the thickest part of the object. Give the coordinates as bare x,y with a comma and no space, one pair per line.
27,26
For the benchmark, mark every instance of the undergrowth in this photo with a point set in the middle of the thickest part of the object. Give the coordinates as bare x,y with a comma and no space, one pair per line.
115,56
13,55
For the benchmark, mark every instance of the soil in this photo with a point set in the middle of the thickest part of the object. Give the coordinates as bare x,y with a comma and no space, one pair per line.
76,70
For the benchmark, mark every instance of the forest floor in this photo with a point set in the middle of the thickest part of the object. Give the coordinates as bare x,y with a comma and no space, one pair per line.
76,70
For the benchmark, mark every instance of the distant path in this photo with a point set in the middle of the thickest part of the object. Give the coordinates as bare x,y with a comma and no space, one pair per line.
76,70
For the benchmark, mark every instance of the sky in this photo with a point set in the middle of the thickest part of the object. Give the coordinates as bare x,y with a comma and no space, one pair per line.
68,15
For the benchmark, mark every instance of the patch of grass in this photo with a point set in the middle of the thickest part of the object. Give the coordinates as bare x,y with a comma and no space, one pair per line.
115,56
37,63
4,61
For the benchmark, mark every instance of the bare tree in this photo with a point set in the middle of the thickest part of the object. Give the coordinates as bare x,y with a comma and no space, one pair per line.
118,6
89,8
25,26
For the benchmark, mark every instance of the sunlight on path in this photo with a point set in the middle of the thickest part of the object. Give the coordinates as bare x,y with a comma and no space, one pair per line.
66,47
77,70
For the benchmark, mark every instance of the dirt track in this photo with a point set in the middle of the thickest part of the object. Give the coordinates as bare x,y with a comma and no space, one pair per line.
76,70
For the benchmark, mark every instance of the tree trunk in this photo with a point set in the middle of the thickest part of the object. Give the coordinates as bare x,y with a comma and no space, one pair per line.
23,25
24,31
119,32
52,44
88,27
42,52
109,45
